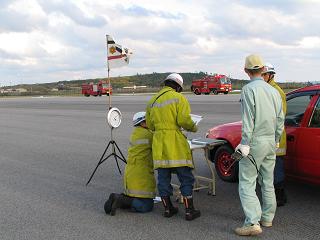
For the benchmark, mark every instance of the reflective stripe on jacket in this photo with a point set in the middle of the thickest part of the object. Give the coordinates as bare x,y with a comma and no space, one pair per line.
139,178
281,151
167,112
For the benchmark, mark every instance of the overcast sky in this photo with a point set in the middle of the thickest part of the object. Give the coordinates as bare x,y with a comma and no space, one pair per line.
55,40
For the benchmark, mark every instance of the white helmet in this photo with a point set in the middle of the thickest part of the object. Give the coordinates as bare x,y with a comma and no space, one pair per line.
268,68
138,118
176,78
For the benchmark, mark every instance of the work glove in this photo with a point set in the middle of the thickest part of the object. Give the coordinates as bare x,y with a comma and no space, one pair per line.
244,149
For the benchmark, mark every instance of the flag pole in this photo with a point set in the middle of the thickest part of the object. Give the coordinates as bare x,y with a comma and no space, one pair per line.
109,88
108,73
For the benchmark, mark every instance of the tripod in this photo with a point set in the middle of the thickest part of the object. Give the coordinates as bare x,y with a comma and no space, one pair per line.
114,148
117,56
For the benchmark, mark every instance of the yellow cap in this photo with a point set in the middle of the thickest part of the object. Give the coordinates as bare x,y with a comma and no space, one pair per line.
253,62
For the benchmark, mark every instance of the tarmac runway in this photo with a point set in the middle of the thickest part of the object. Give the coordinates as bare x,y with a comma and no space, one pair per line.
50,146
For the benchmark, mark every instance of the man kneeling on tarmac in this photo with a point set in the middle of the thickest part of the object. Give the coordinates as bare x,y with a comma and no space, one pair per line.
139,181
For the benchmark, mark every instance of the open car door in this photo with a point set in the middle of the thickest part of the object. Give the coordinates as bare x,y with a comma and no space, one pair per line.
303,136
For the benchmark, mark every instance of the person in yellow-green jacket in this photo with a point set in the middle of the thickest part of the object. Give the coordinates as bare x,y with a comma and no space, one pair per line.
139,181
168,112
281,196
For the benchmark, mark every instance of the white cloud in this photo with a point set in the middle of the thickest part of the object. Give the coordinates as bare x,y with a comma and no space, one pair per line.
310,42
53,40
27,7
15,42
206,45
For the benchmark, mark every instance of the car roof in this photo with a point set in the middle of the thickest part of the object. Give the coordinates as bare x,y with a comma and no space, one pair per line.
311,88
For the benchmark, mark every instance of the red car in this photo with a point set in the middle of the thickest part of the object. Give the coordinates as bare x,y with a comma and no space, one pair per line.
302,126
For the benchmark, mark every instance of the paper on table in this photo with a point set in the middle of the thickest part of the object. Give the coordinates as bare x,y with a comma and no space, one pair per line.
157,199
196,118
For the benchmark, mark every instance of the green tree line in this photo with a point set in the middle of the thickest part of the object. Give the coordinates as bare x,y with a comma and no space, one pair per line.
152,81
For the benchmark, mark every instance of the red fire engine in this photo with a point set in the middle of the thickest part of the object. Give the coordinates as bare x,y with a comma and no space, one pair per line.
215,83
101,88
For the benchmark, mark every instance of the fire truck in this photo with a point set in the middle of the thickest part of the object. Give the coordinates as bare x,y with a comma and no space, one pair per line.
96,89
216,83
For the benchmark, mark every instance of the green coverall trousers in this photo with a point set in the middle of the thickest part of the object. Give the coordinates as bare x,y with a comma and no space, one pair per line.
263,152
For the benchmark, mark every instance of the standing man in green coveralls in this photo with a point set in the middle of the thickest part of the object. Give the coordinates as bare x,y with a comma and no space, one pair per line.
262,126
281,196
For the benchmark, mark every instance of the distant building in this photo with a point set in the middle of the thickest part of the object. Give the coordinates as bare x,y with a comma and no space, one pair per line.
21,90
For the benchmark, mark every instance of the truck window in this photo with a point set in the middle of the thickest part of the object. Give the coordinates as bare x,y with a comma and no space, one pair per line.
225,80
295,110
315,119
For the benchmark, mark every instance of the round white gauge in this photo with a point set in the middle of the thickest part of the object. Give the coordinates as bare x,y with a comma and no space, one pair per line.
114,117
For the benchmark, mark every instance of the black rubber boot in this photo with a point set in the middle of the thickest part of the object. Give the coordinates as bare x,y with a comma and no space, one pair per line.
281,195
108,203
191,212
169,209
117,201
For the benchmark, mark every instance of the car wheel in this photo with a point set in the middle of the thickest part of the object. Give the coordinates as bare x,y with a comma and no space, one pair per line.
215,92
223,161
226,92
197,91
